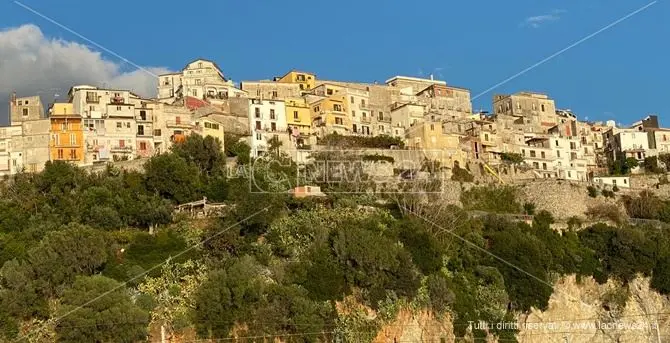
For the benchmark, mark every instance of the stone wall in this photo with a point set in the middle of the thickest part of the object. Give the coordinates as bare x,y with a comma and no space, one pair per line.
132,165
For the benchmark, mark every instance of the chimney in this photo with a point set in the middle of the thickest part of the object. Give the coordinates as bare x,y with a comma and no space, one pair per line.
12,100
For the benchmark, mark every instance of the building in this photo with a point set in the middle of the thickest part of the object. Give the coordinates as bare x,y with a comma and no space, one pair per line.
407,114
172,123
266,89
25,109
67,136
208,126
34,144
436,145
11,156
267,119
619,181
201,79
529,111
145,116
360,111
306,81
330,115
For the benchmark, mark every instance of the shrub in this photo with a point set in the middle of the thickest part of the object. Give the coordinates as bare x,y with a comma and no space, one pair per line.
511,158
461,175
529,208
593,192
607,193
615,188
492,199
378,158
605,212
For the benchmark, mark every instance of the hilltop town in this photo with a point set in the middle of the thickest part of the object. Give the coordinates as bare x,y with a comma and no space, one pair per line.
428,117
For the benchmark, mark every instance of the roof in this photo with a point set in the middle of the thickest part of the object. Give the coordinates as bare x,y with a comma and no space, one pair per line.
298,71
409,78
194,103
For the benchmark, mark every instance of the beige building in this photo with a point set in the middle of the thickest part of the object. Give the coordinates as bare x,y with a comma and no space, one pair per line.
25,109
533,112
271,90
429,137
407,114
34,144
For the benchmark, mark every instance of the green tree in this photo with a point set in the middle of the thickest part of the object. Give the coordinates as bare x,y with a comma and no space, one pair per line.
171,177
205,152
62,255
99,309
226,297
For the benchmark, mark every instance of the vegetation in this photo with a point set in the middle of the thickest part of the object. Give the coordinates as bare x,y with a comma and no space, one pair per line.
80,262
462,175
511,158
378,158
374,142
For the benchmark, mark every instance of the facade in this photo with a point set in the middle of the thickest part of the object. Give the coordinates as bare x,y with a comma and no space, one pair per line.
11,156
35,144
330,115
66,131
305,81
271,89
201,79
406,115
619,181
436,145
25,109
207,126
298,116
360,112
267,119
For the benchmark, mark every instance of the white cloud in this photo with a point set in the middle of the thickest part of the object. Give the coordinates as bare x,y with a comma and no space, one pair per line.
539,20
31,63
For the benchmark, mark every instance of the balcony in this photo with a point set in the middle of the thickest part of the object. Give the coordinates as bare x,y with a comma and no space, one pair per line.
144,134
94,99
121,149
117,100
366,119
178,124
384,119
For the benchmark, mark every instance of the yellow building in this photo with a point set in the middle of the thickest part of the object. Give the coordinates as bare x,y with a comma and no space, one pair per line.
436,145
307,81
298,115
206,126
329,115
67,136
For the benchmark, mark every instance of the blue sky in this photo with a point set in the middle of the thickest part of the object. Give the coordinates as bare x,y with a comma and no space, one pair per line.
621,74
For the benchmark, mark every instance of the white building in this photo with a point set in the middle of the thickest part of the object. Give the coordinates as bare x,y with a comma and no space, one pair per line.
619,181
201,79
267,119
108,116
11,154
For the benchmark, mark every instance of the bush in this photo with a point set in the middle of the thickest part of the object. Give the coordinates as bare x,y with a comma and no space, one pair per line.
491,199
593,192
529,208
615,188
378,158
461,175
511,158
607,193
605,212
376,142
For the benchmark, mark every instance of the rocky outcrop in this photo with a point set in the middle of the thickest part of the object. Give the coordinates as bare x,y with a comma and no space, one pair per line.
587,312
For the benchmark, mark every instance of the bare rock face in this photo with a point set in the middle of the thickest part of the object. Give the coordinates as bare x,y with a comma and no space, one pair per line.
417,327
561,198
587,312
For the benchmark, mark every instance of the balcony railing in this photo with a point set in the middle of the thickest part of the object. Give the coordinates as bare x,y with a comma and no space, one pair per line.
92,99
178,123
121,148
117,100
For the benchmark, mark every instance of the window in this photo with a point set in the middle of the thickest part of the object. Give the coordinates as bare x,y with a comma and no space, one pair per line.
73,154
523,153
198,81
143,145
208,125
140,130
73,139
274,94
63,126
624,181
542,107
532,153
536,165
128,125
199,64
122,143
195,92
558,154
259,137
353,113
329,91
337,107
157,132
60,154
295,114
339,121
273,126
352,100
258,112
542,154
119,125
544,166
272,114
534,107
362,102
573,145
25,112
258,125
143,115
354,128
614,182
432,127
557,143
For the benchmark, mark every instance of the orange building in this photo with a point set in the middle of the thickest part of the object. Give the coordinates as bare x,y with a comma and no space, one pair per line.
67,135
